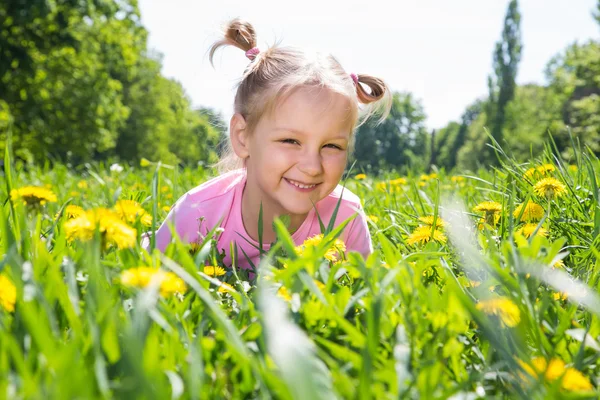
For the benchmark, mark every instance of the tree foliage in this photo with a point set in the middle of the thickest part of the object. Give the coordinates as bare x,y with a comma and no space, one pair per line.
398,141
502,85
77,83
575,81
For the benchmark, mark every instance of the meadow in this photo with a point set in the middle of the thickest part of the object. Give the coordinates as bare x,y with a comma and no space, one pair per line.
482,285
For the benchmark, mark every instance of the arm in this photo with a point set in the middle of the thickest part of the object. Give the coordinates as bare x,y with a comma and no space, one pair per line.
358,237
184,218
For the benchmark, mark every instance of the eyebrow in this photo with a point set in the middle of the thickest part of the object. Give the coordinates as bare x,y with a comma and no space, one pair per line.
305,134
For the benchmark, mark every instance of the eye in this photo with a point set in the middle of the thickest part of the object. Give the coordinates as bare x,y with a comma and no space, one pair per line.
289,141
334,146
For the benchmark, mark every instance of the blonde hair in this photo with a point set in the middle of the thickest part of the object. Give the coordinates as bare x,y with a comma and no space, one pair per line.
276,72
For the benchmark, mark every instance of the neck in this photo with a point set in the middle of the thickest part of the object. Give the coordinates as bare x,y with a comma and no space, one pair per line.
251,203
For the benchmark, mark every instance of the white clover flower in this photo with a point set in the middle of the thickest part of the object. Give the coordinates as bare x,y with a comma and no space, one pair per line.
116,167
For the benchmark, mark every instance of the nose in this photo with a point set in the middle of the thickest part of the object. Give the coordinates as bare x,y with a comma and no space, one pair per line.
311,163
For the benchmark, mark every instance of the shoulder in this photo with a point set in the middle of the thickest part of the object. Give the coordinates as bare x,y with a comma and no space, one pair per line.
214,189
349,205
349,201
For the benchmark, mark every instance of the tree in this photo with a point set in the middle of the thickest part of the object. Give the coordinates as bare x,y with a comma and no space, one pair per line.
61,90
530,115
506,61
454,136
77,82
574,80
445,137
472,154
398,141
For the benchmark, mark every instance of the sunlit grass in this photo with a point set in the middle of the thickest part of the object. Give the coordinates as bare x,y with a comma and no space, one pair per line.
482,284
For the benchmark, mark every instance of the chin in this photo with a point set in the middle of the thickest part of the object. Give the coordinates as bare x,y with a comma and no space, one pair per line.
298,208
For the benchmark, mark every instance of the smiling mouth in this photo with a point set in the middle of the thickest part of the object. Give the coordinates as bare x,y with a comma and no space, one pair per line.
301,185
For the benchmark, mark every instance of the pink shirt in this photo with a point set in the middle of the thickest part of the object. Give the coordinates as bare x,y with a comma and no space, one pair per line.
200,209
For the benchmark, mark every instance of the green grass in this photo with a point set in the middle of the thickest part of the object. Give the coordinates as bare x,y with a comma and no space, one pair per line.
402,324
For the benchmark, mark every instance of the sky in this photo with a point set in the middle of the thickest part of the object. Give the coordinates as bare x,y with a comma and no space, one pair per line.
439,50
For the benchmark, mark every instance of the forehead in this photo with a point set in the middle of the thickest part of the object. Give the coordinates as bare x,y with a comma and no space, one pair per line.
315,110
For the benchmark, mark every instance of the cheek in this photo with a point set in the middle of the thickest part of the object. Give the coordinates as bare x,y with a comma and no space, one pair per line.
335,163
274,161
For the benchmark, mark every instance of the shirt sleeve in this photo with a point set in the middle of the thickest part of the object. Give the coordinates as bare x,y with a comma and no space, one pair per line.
184,219
358,237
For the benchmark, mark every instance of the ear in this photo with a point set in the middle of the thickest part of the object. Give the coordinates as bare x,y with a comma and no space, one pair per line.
238,135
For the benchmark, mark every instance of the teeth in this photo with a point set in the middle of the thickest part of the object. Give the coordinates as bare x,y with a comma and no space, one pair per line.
301,186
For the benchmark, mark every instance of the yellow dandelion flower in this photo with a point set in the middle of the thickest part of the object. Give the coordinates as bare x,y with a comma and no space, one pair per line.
360,177
146,219
540,367
194,248
333,253
172,284
540,171
225,287
165,209
422,235
320,285
489,219
393,186
284,294
559,296
8,293
559,264
129,211
141,277
503,308
492,212
145,162
574,381
137,277
381,186
164,189
72,211
530,172
424,177
33,195
82,184
573,168
214,271
312,241
428,220
373,218
398,182
112,229
488,207
528,229
457,179
546,169
531,212
549,188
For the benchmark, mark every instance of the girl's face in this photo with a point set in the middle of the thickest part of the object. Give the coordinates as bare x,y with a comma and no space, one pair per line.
297,155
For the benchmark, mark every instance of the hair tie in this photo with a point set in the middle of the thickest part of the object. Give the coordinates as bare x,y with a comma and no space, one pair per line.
354,78
252,53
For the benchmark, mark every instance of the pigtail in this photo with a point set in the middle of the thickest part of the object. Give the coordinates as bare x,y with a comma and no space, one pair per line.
238,33
378,99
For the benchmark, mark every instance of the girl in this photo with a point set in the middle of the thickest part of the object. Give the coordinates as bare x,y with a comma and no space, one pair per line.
290,137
